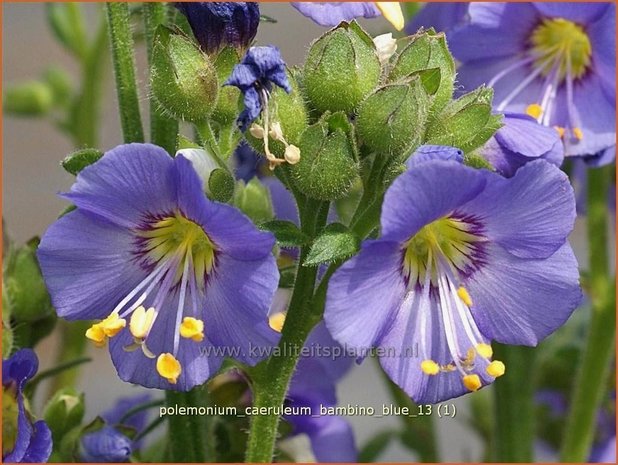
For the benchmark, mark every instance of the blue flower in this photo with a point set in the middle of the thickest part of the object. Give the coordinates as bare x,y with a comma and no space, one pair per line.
32,442
109,444
260,68
465,257
313,386
330,14
170,273
218,24
522,140
554,61
440,16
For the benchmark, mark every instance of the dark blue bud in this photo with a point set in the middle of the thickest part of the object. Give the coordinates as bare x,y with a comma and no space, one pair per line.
218,24
106,445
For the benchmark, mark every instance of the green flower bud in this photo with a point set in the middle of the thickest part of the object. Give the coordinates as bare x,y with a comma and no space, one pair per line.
226,111
32,98
342,68
64,412
7,331
286,110
253,199
391,121
217,180
182,79
77,161
328,164
423,52
466,123
25,288
60,84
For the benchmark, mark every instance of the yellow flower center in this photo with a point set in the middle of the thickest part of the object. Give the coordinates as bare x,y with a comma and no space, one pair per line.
180,237
447,238
562,43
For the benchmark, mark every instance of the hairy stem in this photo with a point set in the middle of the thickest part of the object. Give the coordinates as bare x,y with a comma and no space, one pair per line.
124,70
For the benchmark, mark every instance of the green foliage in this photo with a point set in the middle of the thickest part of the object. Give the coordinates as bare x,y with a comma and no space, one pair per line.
78,160
227,107
183,79
253,199
327,167
341,69
335,243
391,121
423,52
63,412
286,233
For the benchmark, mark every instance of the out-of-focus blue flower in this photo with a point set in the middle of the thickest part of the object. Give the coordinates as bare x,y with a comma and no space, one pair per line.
520,141
605,453
28,442
313,386
442,17
445,278
161,265
553,61
255,75
218,24
330,14
109,444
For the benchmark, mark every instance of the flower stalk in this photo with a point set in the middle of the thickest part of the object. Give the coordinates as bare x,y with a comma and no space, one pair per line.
123,58
591,380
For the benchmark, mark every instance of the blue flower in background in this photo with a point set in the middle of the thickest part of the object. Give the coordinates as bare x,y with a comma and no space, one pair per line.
440,16
330,14
465,257
313,386
520,141
109,444
170,273
28,442
219,24
553,61
260,68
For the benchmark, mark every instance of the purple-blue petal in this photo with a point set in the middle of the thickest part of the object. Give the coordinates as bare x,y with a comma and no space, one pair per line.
581,13
530,214
126,184
20,367
427,153
420,196
440,16
107,445
330,14
364,294
87,265
40,447
521,301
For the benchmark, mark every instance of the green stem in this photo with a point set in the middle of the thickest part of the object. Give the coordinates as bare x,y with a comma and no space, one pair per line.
514,405
209,140
591,380
163,130
271,378
124,70
85,111
73,346
418,432
190,436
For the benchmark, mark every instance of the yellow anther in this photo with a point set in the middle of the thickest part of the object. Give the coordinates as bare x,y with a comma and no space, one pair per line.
292,154
392,13
96,334
495,368
470,356
192,328
560,130
276,321
168,367
472,382
112,325
141,321
464,296
448,368
430,367
535,110
484,350
577,132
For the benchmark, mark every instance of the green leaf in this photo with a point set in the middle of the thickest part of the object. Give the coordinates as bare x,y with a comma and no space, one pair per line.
286,233
335,243
77,161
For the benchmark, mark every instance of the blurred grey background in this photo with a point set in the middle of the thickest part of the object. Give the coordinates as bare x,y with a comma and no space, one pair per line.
32,176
